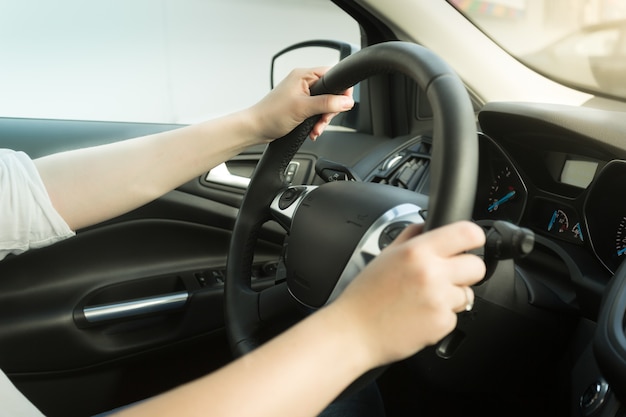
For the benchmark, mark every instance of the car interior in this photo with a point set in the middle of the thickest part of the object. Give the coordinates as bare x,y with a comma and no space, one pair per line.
445,120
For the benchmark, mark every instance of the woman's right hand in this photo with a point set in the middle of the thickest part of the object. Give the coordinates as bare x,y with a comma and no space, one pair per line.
407,298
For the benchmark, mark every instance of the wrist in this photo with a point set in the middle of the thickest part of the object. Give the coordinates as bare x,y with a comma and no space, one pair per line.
350,333
254,121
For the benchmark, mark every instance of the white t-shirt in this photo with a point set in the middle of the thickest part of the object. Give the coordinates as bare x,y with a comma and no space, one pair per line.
27,221
27,218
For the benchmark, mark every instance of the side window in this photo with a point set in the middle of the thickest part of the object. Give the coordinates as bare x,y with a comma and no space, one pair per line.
170,61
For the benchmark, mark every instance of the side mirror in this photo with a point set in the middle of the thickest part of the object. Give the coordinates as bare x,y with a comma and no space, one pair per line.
316,53
313,53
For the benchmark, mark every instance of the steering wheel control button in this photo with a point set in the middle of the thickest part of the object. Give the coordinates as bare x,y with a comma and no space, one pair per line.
334,175
390,233
331,171
594,397
289,196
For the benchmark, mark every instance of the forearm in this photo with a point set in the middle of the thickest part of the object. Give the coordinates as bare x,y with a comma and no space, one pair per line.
296,374
405,299
94,184
91,185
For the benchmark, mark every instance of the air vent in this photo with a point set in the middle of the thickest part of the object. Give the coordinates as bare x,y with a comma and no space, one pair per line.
407,168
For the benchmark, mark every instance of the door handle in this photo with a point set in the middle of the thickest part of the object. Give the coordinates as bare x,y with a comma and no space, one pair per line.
136,307
221,175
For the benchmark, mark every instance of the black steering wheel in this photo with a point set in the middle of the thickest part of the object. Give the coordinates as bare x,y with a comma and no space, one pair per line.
334,229
609,344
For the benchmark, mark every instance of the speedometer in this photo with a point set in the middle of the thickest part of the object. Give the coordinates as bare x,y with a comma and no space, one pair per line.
606,215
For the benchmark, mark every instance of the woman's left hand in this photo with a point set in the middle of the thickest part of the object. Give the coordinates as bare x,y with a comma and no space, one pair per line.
290,103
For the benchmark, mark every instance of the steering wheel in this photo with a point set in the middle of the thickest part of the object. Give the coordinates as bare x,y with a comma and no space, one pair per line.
609,344
336,228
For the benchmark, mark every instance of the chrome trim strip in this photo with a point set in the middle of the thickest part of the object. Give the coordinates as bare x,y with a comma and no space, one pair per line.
368,248
132,308
284,217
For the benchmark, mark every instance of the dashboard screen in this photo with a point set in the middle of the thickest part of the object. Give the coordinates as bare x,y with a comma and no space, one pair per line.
578,173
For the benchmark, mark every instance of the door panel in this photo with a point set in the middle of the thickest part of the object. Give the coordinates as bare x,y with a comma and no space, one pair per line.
51,349
66,364
176,245
44,293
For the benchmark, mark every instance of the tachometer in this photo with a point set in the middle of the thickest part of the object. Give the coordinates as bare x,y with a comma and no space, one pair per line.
502,191
506,195
501,194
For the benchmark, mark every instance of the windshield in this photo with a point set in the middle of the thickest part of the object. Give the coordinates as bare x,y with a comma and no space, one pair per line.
580,43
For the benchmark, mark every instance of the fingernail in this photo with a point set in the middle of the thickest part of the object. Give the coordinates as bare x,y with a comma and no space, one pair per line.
347,103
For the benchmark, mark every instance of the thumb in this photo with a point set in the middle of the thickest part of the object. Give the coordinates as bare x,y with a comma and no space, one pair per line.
331,103
408,233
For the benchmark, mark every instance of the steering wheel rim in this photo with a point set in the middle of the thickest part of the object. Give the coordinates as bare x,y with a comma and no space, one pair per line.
609,343
455,153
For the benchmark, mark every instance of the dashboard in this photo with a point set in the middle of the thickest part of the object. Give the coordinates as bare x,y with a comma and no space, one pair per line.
558,171
561,172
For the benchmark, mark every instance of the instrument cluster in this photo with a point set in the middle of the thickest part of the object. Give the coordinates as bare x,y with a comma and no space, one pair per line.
593,215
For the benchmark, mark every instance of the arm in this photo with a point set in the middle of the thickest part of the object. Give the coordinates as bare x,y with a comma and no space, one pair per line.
90,185
403,301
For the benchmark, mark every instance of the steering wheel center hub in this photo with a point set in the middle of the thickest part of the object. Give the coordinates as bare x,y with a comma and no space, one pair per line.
338,225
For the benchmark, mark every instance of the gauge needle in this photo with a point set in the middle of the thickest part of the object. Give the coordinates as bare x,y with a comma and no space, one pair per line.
552,220
504,199
578,232
621,252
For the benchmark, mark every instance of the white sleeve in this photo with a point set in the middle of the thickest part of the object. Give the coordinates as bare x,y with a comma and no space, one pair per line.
13,403
27,217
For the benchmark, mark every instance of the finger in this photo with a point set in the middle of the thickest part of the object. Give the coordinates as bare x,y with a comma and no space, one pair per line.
349,92
330,103
472,266
319,127
313,74
466,296
317,130
455,238
408,233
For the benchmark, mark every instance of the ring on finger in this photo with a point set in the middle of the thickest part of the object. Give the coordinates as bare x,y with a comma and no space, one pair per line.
469,296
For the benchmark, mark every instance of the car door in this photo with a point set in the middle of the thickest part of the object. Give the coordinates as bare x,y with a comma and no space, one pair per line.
133,306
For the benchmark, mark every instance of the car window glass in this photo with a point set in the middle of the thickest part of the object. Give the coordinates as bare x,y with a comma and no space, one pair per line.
575,42
600,43
174,61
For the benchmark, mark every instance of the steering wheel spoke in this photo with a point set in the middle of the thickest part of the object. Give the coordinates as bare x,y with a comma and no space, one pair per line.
609,344
379,236
275,303
285,204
